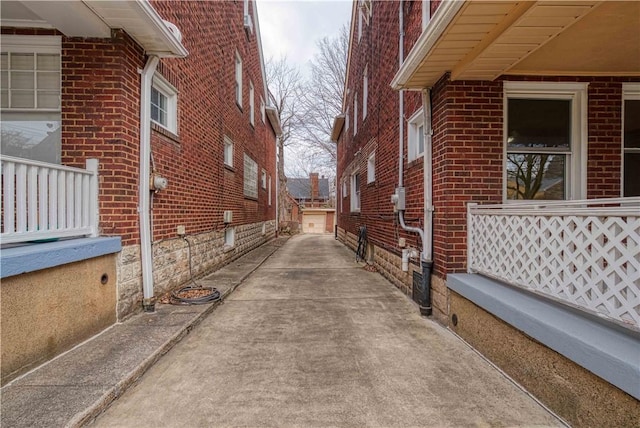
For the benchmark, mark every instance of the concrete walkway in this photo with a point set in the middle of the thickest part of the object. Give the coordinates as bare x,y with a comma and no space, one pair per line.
312,339
78,385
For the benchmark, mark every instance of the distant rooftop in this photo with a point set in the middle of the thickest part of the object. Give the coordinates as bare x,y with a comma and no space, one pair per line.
300,188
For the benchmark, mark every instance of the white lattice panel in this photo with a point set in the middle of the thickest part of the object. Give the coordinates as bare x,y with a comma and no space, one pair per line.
590,259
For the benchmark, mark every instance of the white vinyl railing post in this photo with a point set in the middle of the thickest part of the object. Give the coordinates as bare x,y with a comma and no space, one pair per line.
94,214
470,205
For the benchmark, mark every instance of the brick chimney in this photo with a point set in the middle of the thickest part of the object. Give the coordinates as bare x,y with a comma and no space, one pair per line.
313,178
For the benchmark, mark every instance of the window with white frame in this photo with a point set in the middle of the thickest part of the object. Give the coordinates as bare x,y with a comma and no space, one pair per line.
360,19
371,168
631,139
346,120
426,13
230,237
269,189
415,139
263,179
250,177
238,79
228,151
355,191
252,113
355,114
345,191
365,92
545,131
30,72
263,110
164,104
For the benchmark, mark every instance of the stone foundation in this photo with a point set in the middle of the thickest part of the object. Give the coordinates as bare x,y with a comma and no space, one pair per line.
171,261
47,312
389,265
574,393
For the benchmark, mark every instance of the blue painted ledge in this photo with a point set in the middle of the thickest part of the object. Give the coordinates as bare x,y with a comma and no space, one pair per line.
602,347
33,257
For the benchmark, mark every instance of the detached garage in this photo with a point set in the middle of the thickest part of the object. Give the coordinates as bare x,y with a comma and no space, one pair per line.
318,220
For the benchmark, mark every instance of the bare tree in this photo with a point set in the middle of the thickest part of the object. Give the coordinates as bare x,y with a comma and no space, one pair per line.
284,83
322,98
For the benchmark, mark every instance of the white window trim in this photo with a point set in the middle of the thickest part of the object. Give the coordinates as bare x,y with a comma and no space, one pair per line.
426,13
238,77
371,168
630,91
360,19
269,184
252,106
228,143
355,114
576,188
365,91
262,110
414,124
171,93
263,179
346,120
355,193
34,45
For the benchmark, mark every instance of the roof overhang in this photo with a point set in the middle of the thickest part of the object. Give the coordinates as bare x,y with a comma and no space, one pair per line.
482,40
336,130
274,119
92,18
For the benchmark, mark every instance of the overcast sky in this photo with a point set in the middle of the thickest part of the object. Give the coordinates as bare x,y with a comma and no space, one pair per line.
292,27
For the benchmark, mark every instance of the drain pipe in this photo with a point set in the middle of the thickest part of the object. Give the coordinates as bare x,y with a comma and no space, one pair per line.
426,258
427,255
148,302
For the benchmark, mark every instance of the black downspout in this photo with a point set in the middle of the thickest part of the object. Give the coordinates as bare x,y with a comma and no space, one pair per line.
425,304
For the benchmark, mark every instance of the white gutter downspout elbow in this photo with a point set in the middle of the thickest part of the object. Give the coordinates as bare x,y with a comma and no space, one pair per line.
144,207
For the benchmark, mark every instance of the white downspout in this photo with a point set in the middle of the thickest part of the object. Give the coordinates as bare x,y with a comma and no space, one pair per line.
147,73
401,133
427,247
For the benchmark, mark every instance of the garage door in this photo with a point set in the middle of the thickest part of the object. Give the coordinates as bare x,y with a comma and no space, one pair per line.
313,223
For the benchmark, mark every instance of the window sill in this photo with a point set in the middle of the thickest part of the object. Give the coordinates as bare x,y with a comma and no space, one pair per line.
229,168
155,127
227,248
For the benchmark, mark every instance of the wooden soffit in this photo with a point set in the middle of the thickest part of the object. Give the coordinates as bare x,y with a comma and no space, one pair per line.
482,40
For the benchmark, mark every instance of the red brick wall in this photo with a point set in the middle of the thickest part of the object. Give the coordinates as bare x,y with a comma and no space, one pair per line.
100,110
200,186
100,119
467,143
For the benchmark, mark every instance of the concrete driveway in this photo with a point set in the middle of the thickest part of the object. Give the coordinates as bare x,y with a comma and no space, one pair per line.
312,339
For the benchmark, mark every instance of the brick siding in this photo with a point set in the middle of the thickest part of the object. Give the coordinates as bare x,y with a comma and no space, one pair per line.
467,144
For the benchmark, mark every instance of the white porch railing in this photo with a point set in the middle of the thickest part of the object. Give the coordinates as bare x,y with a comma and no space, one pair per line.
583,253
46,201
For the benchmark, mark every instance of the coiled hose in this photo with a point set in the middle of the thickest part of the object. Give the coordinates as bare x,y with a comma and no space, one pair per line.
212,294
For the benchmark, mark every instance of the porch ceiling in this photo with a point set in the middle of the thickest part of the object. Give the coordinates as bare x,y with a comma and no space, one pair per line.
482,40
91,18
